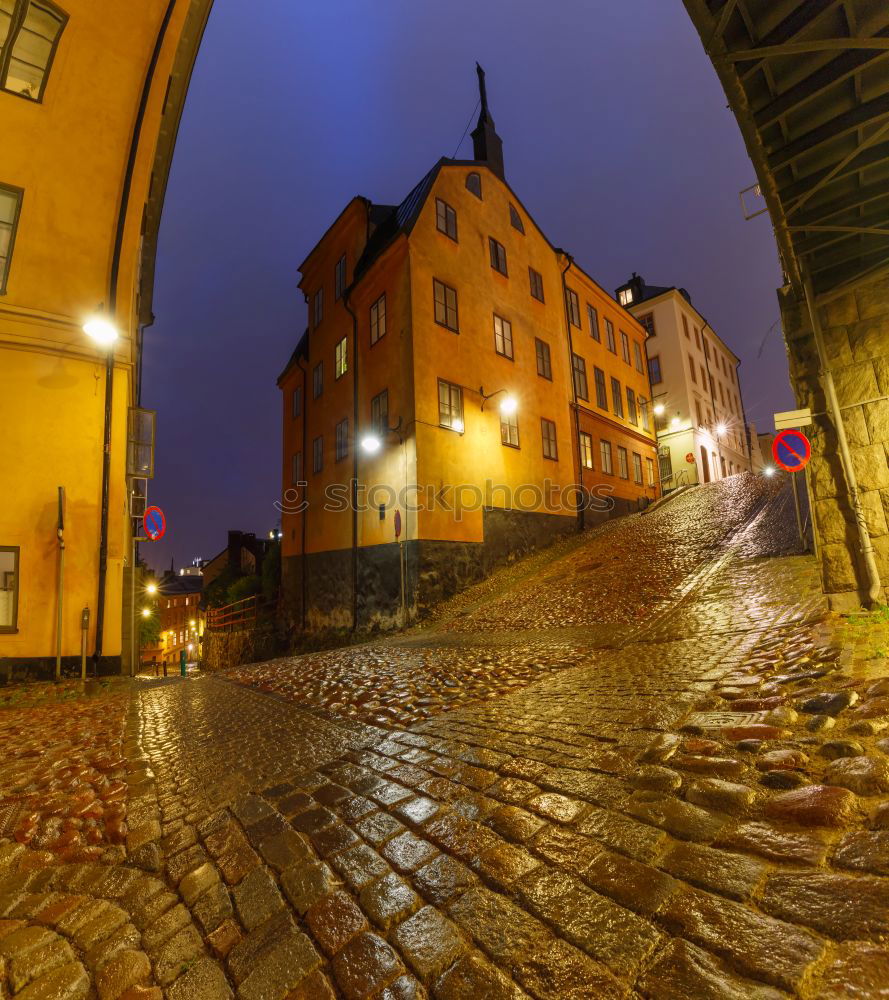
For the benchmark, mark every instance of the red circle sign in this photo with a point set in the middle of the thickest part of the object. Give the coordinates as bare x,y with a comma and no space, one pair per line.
154,523
791,450
690,458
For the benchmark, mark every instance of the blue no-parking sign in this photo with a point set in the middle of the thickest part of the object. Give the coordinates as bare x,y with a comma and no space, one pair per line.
791,450
155,523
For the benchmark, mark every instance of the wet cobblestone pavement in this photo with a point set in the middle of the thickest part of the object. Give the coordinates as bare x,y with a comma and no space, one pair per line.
689,801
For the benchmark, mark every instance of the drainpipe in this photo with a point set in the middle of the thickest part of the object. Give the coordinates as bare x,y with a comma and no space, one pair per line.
712,396
305,511
576,447
354,491
744,416
875,587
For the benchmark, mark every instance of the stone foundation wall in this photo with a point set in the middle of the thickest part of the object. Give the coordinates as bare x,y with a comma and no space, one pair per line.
856,334
229,649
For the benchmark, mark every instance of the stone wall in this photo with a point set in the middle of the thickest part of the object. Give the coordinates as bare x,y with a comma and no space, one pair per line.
229,649
856,333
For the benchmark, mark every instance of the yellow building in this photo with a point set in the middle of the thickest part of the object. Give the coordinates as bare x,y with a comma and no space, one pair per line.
90,99
460,379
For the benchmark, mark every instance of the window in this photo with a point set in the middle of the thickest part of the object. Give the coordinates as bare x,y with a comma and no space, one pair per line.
342,439
649,466
29,34
296,468
509,430
536,279
647,323
450,406
625,347
605,456
721,395
691,368
9,587
318,306
623,469
703,377
698,412
544,368
515,219
474,184
617,401
548,435
378,319
445,219
601,393
10,204
654,370
318,380
625,296
712,388
573,307
586,450
637,356
593,318
637,469
341,359
379,412
697,338
445,305
503,337
685,325
339,278
578,367
498,255
646,416
632,415
318,454
609,336
296,402
706,348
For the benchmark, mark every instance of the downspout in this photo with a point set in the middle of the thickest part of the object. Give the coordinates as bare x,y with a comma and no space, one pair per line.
576,446
712,395
305,510
112,310
354,490
875,587
744,417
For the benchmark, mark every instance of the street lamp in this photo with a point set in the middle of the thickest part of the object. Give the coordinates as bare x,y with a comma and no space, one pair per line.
146,612
151,588
659,409
100,329
509,406
721,429
371,444
769,470
675,423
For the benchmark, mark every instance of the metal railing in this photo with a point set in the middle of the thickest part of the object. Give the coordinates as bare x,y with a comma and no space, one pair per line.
240,614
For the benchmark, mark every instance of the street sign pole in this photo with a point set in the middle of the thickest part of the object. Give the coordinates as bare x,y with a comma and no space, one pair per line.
799,520
792,451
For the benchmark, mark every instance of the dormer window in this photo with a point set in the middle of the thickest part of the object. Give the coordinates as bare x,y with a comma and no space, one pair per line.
625,296
474,184
516,219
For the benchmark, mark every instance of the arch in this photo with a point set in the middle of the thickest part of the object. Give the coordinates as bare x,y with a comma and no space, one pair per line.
474,184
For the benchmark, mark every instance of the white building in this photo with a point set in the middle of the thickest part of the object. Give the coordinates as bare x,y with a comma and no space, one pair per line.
701,428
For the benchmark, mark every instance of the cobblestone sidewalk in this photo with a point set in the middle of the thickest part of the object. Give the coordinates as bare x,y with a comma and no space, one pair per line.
698,807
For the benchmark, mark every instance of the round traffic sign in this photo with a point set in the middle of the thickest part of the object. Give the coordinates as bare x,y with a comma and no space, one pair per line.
154,523
791,450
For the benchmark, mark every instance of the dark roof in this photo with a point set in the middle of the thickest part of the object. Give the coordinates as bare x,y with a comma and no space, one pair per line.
170,586
302,348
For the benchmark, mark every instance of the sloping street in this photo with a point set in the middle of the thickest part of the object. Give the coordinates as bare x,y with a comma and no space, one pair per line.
645,762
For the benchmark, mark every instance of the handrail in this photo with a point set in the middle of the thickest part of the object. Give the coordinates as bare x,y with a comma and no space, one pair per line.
241,612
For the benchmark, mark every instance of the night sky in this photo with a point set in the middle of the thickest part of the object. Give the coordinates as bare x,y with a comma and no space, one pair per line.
616,137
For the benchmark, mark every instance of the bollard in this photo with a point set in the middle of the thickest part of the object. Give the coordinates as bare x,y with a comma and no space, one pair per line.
84,628
182,662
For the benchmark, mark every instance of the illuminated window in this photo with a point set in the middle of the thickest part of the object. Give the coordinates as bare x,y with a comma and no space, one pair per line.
625,347
605,456
318,454
474,184
341,359
573,307
649,465
617,401
445,305
379,412
609,336
586,450
578,367
593,318
625,296
536,279
637,469
450,405
29,34
548,436
646,417
498,255
544,368
9,587
445,219
339,277
318,380
10,205
601,393
378,319
654,370
503,337
342,440
509,430
623,469
515,219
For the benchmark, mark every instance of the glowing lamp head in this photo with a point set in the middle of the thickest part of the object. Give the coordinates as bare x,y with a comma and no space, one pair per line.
769,470
509,406
721,429
145,612
100,330
674,423
658,409
151,588
371,444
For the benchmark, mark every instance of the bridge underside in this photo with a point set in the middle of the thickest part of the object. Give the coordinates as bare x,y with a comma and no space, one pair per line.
808,81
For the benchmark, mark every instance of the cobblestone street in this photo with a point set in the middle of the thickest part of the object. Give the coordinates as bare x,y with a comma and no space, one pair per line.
646,763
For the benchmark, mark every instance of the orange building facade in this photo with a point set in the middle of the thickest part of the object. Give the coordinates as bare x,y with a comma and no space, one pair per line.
444,411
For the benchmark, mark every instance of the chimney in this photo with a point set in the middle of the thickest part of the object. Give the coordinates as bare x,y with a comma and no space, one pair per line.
486,144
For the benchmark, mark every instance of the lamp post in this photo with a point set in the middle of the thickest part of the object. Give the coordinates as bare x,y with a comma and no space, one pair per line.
103,332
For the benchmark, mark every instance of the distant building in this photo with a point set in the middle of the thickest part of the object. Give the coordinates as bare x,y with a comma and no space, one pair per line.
702,432
460,378
764,447
244,554
181,616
